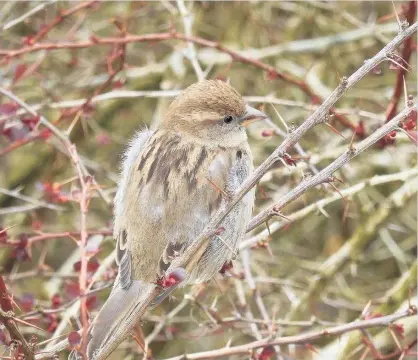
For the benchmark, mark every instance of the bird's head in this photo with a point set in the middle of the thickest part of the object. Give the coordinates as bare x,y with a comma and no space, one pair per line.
212,112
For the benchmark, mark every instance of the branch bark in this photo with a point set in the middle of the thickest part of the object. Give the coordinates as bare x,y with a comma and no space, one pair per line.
325,175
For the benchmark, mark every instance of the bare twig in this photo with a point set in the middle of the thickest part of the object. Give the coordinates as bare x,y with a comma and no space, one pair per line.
326,173
7,318
23,17
187,18
298,339
59,134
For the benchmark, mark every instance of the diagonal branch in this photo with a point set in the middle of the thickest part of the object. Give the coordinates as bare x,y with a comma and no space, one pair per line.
320,204
325,175
320,115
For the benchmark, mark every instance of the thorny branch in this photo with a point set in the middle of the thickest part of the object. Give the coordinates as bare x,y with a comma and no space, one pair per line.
325,175
297,339
402,72
320,115
320,204
7,318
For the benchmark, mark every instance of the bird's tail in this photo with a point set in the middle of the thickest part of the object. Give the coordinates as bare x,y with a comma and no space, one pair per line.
116,318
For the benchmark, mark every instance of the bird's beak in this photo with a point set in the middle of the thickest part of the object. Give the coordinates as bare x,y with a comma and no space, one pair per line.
252,115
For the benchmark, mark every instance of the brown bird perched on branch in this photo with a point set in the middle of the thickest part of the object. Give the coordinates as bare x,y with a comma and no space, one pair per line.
173,181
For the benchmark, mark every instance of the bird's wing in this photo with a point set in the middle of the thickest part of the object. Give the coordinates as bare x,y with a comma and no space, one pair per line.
175,186
123,257
168,192
115,317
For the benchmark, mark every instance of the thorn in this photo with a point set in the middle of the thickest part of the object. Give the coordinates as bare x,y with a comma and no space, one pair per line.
214,302
267,245
345,213
407,134
402,59
280,118
218,188
351,148
334,178
277,212
338,74
138,337
14,303
397,17
396,63
409,297
323,211
365,353
281,158
335,130
365,311
26,323
371,346
263,193
405,91
7,228
268,228
395,338
338,191
268,248
311,348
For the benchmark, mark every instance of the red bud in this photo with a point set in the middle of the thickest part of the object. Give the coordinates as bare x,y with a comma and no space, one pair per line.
267,133
267,353
74,338
56,301
271,75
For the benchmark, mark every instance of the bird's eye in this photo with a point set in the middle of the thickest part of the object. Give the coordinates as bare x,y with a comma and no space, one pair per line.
228,119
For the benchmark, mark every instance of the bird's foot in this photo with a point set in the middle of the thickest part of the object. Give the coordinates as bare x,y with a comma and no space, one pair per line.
228,265
174,277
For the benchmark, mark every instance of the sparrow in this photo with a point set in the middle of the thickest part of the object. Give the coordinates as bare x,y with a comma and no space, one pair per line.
173,180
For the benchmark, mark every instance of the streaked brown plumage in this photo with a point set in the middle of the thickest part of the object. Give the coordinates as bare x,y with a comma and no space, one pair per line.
173,181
